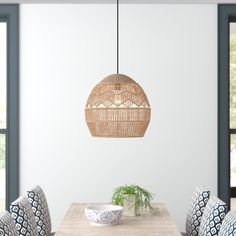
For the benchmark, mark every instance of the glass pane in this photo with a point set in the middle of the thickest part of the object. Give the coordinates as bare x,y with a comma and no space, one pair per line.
232,73
2,171
3,73
233,161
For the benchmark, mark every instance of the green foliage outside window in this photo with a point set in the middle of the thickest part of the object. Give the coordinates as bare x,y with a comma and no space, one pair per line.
233,81
2,151
233,161
232,71
2,115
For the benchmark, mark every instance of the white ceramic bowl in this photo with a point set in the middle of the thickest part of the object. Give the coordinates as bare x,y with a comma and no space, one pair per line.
104,214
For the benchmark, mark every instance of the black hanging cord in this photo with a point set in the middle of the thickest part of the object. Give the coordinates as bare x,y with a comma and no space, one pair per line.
117,35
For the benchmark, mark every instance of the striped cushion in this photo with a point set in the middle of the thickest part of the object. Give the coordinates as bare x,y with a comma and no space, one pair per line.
197,205
228,227
212,217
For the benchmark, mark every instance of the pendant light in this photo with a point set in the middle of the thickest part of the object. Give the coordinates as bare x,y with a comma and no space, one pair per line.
117,106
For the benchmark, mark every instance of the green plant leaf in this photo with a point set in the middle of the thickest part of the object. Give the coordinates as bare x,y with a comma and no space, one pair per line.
143,197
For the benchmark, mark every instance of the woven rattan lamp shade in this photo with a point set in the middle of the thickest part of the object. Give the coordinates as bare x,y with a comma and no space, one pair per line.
117,107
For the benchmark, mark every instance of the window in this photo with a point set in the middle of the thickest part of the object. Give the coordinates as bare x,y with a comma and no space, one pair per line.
3,113
232,106
9,104
227,102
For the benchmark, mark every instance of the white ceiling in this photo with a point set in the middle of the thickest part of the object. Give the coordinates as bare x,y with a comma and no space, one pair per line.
122,1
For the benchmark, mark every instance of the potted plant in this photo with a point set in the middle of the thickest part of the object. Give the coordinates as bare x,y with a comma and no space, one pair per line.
133,198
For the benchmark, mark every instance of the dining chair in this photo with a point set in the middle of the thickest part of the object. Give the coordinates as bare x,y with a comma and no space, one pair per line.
7,225
199,199
23,216
38,202
212,217
228,227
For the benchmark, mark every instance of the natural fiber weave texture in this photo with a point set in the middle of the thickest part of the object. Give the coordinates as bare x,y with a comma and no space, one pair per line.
117,107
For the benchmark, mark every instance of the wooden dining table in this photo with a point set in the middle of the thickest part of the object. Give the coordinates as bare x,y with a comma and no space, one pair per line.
160,224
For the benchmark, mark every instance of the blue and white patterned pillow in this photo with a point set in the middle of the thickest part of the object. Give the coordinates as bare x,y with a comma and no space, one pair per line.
7,225
23,216
197,205
39,205
212,217
228,227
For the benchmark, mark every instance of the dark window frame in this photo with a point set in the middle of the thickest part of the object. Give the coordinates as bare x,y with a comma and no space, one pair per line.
226,14
10,13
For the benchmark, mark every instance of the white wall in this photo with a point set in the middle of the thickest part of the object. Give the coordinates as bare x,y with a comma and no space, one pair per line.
171,50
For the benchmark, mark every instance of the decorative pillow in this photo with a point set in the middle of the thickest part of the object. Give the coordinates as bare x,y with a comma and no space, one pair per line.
212,217
197,205
39,205
23,216
228,227
7,225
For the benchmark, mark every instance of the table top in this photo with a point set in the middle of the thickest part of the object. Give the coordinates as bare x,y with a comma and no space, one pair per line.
161,224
